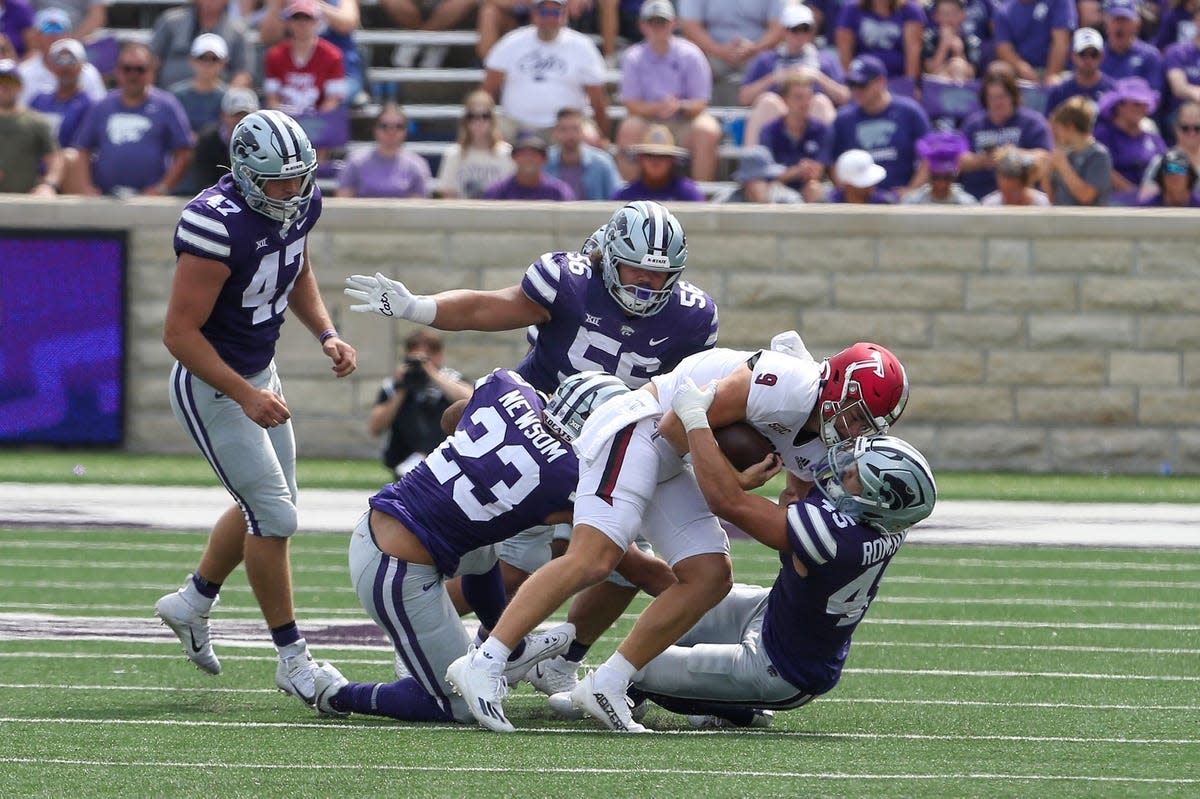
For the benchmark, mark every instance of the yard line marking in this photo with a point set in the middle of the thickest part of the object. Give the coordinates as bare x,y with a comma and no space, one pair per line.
1039,602
1060,565
543,769
142,608
909,736
392,767
1024,625
91,586
113,546
1048,583
142,564
1032,647
998,673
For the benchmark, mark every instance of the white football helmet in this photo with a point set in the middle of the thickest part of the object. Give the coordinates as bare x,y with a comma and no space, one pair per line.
575,399
644,235
593,242
898,489
270,145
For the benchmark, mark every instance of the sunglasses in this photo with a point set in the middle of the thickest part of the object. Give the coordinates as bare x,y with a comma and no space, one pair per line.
1188,128
62,59
391,125
549,11
1175,169
1089,53
802,28
477,115
858,84
209,58
133,69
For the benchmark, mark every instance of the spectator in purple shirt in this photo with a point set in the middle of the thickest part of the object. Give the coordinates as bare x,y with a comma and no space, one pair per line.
1181,63
887,126
530,181
1001,121
1121,114
16,22
666,80
797,141
68,104
387,169
137,139
949,49
1087,50
1127,54
658,171
1176,179
1035,37
1175,23
890,30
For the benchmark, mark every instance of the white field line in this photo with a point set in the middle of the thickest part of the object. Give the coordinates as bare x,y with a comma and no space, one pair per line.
657,771
859,736
144,564
1101,565
148,547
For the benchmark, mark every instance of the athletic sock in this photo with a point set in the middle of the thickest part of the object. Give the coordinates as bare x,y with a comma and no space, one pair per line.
285,635
206,588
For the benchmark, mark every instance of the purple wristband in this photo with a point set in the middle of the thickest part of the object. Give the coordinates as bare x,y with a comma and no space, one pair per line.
328,334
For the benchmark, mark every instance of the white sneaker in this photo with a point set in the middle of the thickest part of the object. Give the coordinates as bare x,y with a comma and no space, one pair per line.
294,675
401,668
405,55
434,56
191,625
539,647
611,708
483,693
762,718
327,681
554,676
563,707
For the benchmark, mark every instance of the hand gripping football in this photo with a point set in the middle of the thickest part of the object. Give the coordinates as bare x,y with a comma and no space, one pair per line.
742,444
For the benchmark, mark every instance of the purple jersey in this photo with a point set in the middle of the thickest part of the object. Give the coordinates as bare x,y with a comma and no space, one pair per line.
889,136
1026,25
810,619
130,146
263,265
589,330
788,150
881,36
498,474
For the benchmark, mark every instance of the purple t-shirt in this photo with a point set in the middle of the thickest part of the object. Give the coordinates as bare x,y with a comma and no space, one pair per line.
263,265
130,146
15,18
978,21
814,144
1025,129
1130,154
807,627
1143,60
882,37
890,137
1027,26
1071,88
1175,27
769,61
1184,56
683,72
498,474
877,196
588,330
1157,202
679,189
64,115
550,188
370,174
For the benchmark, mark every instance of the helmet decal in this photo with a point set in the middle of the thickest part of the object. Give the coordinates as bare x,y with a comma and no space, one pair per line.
244,144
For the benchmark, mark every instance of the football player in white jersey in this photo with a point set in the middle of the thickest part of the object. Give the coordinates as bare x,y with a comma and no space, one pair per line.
633,479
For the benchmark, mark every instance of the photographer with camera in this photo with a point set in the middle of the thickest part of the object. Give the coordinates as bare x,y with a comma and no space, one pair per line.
410,404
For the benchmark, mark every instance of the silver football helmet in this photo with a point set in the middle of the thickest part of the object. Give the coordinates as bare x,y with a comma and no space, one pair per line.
898,489
593,242
644,235
270,145
575,399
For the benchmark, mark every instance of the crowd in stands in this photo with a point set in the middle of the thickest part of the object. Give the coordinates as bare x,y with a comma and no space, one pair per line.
992,102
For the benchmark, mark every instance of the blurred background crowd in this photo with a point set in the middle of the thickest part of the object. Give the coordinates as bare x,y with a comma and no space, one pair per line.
1019,102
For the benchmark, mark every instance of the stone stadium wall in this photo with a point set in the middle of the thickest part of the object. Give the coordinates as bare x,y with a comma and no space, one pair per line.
1041,340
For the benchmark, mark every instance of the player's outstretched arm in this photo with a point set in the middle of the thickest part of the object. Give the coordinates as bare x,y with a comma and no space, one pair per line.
458,309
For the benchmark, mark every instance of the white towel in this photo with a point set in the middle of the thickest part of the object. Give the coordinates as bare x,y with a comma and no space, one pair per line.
789,343
612,417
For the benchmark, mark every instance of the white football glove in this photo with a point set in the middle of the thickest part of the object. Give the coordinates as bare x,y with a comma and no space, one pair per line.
388,297
691,404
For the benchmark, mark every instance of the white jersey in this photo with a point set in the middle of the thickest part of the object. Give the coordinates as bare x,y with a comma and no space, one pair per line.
542,77
783,392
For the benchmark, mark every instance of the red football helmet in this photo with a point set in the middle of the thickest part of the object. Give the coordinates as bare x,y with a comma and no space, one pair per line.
863,391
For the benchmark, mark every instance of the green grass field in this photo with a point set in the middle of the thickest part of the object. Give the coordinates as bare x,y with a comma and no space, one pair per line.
1001,672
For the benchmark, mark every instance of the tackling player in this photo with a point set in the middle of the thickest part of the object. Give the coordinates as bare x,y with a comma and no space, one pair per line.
243,259
632,477
618,306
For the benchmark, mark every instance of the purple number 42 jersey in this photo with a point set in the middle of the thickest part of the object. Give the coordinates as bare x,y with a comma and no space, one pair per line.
263,264
498,474
589,330
810,619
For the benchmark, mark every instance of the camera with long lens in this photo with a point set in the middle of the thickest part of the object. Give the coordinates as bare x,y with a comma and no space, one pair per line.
414,373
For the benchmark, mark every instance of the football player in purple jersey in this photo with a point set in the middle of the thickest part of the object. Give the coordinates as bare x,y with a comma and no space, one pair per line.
507,466
243,258
619,306
633,479
779,647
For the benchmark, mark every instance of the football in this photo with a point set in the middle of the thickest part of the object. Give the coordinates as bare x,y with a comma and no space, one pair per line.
742,444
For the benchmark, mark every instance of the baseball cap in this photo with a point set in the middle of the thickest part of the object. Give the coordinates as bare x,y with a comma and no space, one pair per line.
865,69
8,69
52,20
308,8
758,164
66,52
529,140
858,169
1086,38
1122,8
796,14
657,9
210,43
1176,162
238,101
